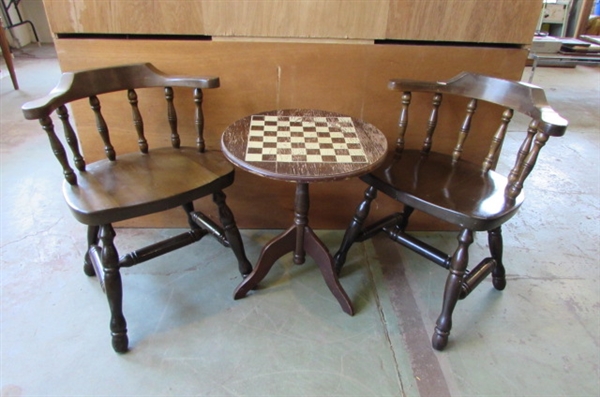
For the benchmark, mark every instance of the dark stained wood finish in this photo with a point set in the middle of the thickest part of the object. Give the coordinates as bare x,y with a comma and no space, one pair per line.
235,141
132,184
300,238
455,186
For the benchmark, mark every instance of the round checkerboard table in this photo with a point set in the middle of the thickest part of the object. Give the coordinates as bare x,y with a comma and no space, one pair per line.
302,146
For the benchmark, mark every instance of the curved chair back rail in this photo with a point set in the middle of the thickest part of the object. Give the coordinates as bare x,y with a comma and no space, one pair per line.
83,84
519,96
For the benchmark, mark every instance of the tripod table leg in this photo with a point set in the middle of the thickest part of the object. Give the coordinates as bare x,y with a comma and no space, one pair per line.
319,252
274,250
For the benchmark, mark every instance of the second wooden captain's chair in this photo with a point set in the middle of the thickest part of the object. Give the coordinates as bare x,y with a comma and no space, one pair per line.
129,184
455,186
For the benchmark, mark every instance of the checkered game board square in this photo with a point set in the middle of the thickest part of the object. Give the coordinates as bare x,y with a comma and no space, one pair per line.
301,139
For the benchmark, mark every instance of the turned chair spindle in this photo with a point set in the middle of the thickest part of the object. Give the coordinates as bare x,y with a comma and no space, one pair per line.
102,128
58,149
138,122
71,138
172,116
492,156
403,122
431,123
199,120
464,130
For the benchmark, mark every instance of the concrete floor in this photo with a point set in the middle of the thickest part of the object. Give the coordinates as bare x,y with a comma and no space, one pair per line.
539,337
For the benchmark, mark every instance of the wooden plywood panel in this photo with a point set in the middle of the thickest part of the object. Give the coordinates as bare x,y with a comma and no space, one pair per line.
482,21
473,21
131,16
155,17
125,16
78,16
315,18
178,17
255,77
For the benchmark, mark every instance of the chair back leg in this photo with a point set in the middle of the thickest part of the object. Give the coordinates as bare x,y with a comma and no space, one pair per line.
496,248
92,239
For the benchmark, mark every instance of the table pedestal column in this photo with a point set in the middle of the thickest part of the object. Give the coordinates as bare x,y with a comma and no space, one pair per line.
299,239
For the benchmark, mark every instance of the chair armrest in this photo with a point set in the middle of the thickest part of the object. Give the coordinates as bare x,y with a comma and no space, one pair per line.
78,85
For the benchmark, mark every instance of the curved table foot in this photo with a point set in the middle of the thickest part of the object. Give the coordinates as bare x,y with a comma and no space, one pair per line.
286,243
274,250
319,252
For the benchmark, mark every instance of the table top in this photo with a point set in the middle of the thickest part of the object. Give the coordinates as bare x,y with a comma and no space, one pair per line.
304,145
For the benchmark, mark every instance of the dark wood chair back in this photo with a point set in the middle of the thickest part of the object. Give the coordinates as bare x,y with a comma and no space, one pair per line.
92,83
510,96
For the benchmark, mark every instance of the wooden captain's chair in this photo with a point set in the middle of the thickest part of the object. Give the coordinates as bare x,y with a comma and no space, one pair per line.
456,187
148,180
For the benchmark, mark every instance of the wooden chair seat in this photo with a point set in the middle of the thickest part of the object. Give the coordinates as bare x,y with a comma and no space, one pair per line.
456,193
129,184
456,186
140,184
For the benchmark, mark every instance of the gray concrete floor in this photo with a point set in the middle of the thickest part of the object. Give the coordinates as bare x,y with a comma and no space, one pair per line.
539,337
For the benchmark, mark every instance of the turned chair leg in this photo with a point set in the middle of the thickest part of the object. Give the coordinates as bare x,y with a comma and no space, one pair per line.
232,233
114,289
408,210
458,266
496,247
355,228
189,209
92,239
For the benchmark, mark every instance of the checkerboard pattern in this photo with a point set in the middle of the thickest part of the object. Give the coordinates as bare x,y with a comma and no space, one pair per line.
303,139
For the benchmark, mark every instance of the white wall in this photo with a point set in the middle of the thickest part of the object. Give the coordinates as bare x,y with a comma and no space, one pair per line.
32,10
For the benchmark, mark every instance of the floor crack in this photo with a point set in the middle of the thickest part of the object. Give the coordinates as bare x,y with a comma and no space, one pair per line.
384,321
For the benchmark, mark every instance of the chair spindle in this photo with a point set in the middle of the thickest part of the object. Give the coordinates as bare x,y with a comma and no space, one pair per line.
432,123
497,140
513,190
199,120
63,115
59,150
102,128
403,121
138,122
523,152
464,130
172,116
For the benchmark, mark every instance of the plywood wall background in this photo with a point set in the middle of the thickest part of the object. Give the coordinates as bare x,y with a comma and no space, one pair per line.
479,21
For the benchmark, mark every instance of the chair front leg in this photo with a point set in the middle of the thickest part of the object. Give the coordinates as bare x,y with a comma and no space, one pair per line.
114,289
92,239
232,233
355,228
458,266
496,248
